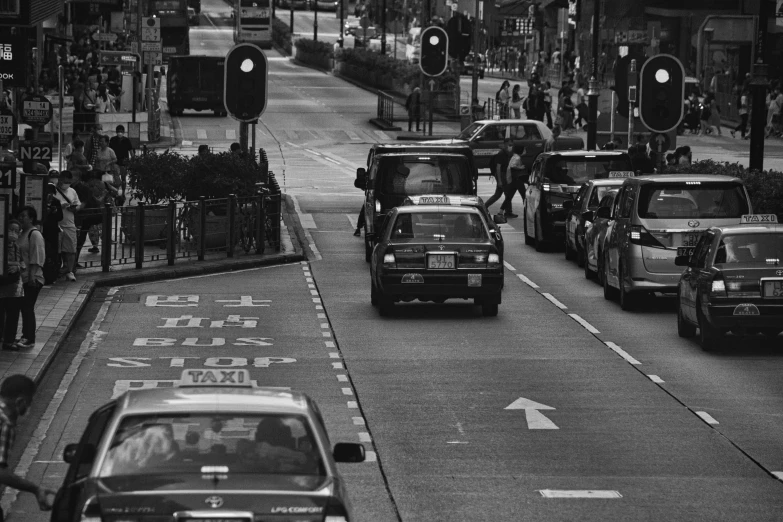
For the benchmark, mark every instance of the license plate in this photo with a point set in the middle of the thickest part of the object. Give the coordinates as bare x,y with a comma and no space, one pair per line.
689,240
773,289
474,279
441,261
685,251
746,309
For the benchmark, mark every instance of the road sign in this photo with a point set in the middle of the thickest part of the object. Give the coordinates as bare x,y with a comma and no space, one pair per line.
8,127
153,58
535,419
35,150
105,37
156,47
121,58
8,175
36,110
150,29
659,142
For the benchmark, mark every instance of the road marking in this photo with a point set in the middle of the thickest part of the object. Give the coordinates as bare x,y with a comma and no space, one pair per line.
535,419
333,161
457,442
88,345
353,135
337,366
334,355
778,475
291,135
508,265
527,281
370,456
201,134
505,227
353,219
587,326
318,315
552,299
329,344
347,391
622,353
579,493
326,334
311,151
313,292
342,378
706,417
293,145
231,134
382,135
364,437
186,143
324,325
353,405
307,223
358,421
656,379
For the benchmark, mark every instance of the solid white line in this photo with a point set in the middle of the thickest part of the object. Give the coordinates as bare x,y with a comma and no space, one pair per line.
508,265
88,345
333,161
622,353
778,475
706,417
589,327
554,301
218,274
527,281
656,379
293,145
313,152
579,493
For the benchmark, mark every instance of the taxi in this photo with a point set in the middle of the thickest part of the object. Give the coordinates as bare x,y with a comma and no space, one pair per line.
733,281
215,447
435,251
594,236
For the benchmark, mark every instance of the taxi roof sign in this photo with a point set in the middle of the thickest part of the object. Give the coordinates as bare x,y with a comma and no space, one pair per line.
210,377
621,174
441,199
755,219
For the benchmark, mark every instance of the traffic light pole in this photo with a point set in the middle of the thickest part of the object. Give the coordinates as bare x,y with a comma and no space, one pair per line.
631,100
383,27
243,136
315,20
592,93
476,36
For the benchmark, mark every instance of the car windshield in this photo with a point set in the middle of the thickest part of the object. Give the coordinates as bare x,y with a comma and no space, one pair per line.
415,175
578,170
183,443
469,131
758,249
692,199
438,226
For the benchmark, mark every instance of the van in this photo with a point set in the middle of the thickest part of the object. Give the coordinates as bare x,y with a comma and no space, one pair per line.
195,82
655,219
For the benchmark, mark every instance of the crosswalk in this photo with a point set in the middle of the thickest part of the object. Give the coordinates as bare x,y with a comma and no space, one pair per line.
294,135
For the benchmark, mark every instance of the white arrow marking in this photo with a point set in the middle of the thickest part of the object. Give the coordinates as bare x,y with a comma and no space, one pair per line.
535,419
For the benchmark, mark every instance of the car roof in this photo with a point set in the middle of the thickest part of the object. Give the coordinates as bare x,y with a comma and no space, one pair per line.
212,400
606,182
583,153
422,145
403,154
454,209
506,121
667,178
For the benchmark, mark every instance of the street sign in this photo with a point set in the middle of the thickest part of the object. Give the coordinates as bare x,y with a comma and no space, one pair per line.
4,212
121,58
35,150
8,128
150,29
156,47
660,143
105,37
7,175
13,56
36,110
32,195
153,58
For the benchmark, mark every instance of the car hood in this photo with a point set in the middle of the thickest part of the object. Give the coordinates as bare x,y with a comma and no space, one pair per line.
449,141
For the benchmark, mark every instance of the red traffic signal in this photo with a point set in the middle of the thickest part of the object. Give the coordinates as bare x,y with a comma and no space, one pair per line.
661,93
245,82
434,51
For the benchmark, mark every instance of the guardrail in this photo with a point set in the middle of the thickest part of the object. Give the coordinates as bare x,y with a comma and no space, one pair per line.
385,112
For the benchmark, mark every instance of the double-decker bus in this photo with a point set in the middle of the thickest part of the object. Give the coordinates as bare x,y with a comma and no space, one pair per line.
254,23
174,27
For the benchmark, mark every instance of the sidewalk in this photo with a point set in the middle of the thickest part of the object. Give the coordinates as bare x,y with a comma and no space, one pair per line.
59,306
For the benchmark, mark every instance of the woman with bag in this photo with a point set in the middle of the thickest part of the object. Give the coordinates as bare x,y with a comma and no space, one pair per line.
11,291
516,101
33,250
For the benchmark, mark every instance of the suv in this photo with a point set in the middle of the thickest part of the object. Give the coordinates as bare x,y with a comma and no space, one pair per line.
385,187
658,218
556,177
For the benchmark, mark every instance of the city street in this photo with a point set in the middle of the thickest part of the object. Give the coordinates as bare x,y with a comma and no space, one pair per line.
563,407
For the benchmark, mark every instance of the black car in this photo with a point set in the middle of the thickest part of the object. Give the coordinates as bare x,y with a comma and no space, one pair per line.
556,177
582,211
469,63
436,252
733,281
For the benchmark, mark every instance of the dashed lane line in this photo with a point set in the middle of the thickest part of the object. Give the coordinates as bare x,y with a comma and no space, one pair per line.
579,493
622,353
656,379
706,417
587,326
552,299
528,282
508,265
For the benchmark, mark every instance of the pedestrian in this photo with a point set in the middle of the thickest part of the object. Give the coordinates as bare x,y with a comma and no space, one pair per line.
236,148
31,246
203,150
360,222
522,64
413,106
89,103
581,106
89,219
16,396
715,115
51,234
774,112
106,159
683,155
640,161
516,101
93,144
502,98
547,98
124,150
551,143
71,146
742,105
70,205
517,178
706,115
77,162
566,114
498,165
11,291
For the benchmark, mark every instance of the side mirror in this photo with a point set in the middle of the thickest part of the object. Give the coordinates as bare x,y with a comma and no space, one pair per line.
682,260
588,215
361,179
69,454
604,212
348,452
568,204
499,219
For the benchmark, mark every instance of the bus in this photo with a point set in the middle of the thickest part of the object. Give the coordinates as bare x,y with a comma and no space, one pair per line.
195,82
174,27
254,23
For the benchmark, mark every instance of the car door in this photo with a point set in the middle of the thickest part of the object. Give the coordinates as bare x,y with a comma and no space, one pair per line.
702,278
71,496
532,197
380,246
613,241
487,141
574,217
689,280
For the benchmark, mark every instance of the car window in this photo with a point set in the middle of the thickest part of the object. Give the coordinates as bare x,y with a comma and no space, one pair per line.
580,169
699,257
414,175
469,131
580,196
93,434
626,203
535,172
525,131
616,202
597,195
184,443
428,226
756,249
493,133
608,200
692,200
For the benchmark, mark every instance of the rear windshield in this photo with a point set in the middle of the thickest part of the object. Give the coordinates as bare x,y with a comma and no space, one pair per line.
411,176
760,249
692,200
183,443
575,171
438,226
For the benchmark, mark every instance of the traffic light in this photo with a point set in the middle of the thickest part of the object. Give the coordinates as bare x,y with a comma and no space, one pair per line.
621,80
245,82
434,51
661,93
460,32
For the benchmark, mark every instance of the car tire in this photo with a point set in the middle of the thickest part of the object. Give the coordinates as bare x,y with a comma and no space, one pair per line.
589,273
528,239
627,299
709,337
684,328
581,258
367,251
489,309
537,243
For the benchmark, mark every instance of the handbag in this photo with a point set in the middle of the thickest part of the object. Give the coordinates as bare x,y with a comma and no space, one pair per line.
10,278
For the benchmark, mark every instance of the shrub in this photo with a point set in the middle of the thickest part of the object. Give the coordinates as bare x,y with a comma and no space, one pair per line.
281,35
157,178
314,47
386,65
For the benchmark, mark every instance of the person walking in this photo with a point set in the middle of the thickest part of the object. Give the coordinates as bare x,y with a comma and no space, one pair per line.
715,114
516,101
123,149
742,105
71,205
581,106
502,98
516,177
33,251
413,106
498,165
547,98
93,144
51,234
551,143
11,291
706,115
522,64
16,396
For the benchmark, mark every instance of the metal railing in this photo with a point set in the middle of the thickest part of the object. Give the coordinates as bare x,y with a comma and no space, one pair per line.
385,108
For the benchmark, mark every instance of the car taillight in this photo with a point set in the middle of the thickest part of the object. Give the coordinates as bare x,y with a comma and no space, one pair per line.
493,259
640,236
546,187
718,287
389,260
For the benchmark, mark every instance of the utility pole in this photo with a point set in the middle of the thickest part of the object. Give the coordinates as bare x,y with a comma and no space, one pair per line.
758,87
592,93
476,36
383,27
315,19
342,22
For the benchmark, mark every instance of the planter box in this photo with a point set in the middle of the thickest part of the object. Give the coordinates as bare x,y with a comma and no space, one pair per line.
216,230
155,221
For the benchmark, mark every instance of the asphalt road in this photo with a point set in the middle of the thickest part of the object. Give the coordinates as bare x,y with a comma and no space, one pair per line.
563,407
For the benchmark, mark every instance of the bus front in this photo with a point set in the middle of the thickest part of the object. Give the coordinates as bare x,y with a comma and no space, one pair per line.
254,23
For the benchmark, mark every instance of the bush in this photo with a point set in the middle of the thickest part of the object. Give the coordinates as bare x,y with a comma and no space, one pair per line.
281,35
314,47
157,178
764,188
386,65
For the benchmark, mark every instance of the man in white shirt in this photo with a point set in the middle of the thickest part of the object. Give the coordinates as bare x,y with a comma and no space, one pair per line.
69,200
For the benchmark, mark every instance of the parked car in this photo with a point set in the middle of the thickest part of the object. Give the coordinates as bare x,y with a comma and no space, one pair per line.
468,66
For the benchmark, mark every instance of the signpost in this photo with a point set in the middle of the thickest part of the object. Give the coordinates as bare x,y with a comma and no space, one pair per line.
119,58
33,187
8,127
7,186
36,110
35,151
4,210
660,143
